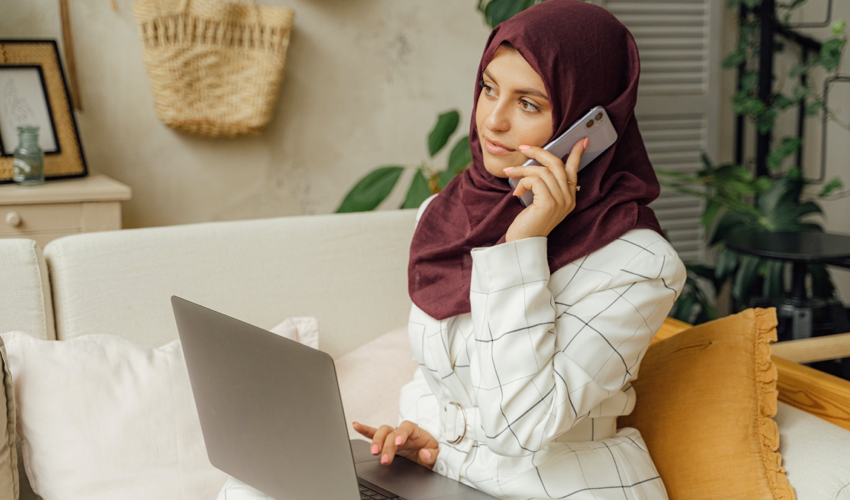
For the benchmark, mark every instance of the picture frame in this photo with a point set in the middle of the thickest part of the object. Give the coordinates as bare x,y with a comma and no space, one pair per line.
33,91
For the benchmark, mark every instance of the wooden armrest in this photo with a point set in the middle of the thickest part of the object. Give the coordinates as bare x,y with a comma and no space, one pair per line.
669,328
814,349
821,394
810,390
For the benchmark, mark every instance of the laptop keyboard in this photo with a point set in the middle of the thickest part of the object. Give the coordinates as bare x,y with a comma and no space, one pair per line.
367,494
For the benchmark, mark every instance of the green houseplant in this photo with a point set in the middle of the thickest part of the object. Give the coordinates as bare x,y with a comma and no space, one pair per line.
765,194
428,179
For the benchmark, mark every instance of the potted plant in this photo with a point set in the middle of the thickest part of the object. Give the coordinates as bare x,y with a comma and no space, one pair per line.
764,193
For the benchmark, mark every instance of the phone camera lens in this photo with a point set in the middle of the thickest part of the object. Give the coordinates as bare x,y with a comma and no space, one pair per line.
590,124
598,116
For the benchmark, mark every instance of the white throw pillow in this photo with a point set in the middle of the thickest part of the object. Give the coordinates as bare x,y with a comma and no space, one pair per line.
103,418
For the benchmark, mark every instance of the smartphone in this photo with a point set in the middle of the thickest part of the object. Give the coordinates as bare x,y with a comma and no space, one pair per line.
596,125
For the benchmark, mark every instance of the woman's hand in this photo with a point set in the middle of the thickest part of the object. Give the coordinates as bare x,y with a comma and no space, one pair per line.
407,440
554,185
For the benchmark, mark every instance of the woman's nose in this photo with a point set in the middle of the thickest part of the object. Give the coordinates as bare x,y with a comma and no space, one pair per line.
498,120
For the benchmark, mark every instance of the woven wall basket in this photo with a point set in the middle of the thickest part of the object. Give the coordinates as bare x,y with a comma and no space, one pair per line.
214,66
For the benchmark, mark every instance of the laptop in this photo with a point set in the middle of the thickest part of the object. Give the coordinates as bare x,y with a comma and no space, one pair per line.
272,417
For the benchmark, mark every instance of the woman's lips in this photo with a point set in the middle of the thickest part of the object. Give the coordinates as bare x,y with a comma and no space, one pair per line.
496,147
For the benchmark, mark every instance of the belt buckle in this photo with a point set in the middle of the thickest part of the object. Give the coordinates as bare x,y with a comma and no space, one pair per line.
462,412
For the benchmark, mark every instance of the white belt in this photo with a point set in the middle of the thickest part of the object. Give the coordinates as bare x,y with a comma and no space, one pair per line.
458,423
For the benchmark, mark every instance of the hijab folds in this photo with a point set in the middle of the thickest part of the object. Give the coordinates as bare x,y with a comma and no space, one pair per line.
585,57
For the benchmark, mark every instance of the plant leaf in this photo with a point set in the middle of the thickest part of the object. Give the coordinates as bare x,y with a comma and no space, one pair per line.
815,107
788,146
712,208
727,262
498,11
371,190
444,177
705,272
460,157
744,279
830,186
729,223
445,127
684,306
774,279
785,191
734,58
766,121
418,192
798,70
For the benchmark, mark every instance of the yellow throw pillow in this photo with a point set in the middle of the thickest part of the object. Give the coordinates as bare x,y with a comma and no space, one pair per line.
705,402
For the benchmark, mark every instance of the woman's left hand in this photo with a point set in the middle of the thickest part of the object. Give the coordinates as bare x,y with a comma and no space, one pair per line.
554,186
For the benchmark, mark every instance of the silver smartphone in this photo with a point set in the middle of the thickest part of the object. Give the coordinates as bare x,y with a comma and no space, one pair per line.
596,125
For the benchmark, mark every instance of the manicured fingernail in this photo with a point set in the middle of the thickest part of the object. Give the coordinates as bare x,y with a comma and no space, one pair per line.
507,169
398,441
524,147
385,460
426,454
586,142
375,449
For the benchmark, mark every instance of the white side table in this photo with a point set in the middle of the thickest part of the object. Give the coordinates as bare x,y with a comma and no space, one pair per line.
61,207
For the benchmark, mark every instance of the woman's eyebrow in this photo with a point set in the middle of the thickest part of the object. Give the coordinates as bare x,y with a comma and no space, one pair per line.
533,92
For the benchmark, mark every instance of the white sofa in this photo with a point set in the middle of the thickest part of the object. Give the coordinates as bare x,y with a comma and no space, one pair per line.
349,271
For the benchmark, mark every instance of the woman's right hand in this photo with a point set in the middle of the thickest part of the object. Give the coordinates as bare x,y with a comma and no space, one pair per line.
407,440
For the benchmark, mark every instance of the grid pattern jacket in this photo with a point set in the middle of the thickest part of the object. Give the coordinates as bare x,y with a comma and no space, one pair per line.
524,391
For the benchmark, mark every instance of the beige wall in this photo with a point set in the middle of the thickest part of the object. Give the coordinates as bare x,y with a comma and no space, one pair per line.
365,80
364,83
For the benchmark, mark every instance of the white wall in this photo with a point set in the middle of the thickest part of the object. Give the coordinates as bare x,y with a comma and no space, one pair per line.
364,83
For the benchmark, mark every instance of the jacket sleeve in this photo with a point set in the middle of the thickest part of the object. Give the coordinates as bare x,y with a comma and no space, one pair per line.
418,404
547,354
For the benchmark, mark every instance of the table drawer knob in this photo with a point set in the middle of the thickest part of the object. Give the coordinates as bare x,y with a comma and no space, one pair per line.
13,219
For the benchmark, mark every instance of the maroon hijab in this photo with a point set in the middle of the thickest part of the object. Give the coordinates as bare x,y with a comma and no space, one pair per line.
585,57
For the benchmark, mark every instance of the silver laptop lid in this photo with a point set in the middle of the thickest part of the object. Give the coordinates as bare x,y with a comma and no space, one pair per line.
269,407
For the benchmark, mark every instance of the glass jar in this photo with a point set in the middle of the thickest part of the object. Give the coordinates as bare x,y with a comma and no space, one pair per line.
28,158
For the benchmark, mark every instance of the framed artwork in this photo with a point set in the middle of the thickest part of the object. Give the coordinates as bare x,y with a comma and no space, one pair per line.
33,92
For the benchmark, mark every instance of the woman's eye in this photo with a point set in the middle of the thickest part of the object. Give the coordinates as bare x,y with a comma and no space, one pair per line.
488,90
528,106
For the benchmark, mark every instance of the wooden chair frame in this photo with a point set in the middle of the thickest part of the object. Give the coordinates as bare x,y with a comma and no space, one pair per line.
810,390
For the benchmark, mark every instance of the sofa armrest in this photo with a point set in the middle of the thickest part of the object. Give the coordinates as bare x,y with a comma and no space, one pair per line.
25,300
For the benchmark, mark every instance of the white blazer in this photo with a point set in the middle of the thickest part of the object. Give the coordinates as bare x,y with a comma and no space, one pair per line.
524,391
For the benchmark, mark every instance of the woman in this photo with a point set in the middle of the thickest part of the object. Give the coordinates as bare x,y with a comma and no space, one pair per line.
529,324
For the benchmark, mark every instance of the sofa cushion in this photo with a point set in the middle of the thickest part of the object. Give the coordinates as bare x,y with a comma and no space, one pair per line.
103,418
815,454
705,398
9,486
